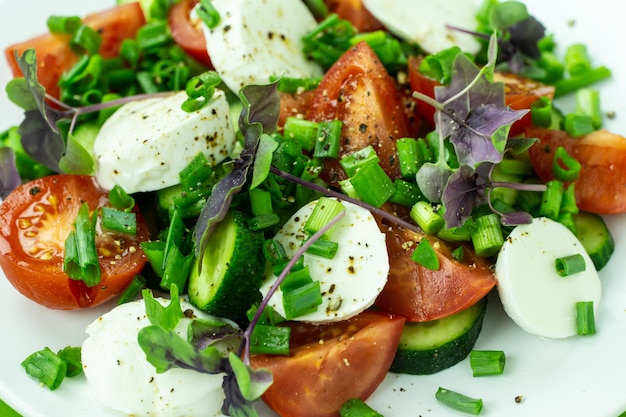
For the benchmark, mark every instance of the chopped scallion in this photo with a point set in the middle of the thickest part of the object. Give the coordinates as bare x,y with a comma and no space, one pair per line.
324,211
487,362
372,184
302,131
427,217
356,407
302,300
459,402
425,255
324,248
565,167
63,24
208,14
352,162
81,255
132,292
270,340
551,199
328,139
120,200
119,221
47,367
487,238
585,318
570,265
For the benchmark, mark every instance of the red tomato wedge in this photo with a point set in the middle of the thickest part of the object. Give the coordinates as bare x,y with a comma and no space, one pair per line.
358,91
421,294
519,92
355,12
601,185
293,105
329,364
185,34
35,220
54,56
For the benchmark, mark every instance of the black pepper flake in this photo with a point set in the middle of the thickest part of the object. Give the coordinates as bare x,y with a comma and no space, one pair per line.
34,190
362,127
227,28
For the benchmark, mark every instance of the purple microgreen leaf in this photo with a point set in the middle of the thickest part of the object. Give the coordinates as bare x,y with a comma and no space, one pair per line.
514,218
525,36
461,195
40,142
9,176
484,134
28,64
235,404
432,179
261,106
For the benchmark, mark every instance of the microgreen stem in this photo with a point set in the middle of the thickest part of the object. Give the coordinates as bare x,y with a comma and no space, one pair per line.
246,337
331,193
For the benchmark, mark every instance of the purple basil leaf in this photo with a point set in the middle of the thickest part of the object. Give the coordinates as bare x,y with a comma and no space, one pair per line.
525,35
460,196
40,142
514,218
261,106
483,136
432,179
28,64
241,403
9,177
482,92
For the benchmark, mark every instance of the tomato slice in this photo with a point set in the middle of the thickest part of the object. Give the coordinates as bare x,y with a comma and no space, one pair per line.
355,12
358,91
421,294
185,34
601,185
54,56
520,93
331,363
35,220
293,105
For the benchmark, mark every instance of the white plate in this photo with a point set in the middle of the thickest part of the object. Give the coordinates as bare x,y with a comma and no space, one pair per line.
581,376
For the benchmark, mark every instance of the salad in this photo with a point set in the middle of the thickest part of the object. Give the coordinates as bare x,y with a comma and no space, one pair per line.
398,395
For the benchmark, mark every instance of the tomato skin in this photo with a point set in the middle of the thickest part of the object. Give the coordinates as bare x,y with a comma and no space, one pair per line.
421,294
601,185
355,12
318,377
185,34
35,220
358,91
519,93
54,56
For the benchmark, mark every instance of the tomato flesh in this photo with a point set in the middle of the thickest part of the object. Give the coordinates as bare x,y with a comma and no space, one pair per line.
185,34
54,55
36,219
329,364
601,185
358,91
421,294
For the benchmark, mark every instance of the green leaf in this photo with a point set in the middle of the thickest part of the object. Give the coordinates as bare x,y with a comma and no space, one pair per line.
263,160
252,383
19,93
165,317
77,160
425,255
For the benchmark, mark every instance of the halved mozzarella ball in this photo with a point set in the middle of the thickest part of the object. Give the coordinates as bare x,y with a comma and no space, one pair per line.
351,281
425,22
533,294
120,377
145,144
258,39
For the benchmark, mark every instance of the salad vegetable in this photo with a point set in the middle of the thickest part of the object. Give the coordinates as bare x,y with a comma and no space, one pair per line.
439,161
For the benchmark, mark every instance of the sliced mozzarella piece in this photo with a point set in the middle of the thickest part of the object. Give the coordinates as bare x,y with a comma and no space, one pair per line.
119,375
257,39
145,144
424,22
533,294
351,281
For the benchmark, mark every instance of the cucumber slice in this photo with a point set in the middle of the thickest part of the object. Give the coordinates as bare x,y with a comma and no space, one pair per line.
232,270
595,238
430,347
